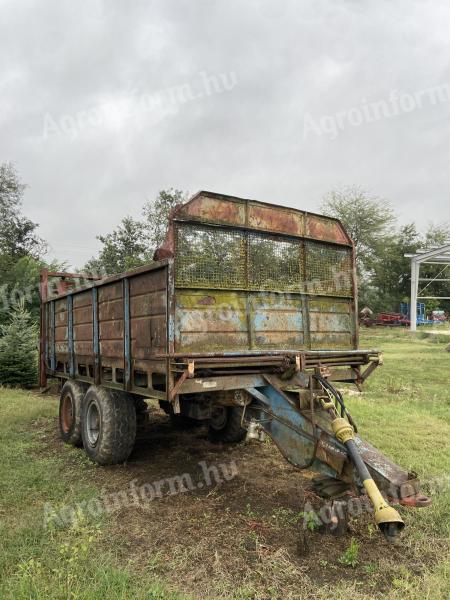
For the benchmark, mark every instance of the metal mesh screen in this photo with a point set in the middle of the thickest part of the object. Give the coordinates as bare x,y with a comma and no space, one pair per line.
275,263
217,258
210,257
328,269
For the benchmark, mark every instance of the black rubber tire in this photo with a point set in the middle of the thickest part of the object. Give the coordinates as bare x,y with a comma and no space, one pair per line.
232,432
116,436
70,400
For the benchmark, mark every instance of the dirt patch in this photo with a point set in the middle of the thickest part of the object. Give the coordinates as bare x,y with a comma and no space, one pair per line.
241,529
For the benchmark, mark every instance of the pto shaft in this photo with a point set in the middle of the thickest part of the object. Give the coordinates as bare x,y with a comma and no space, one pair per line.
386,517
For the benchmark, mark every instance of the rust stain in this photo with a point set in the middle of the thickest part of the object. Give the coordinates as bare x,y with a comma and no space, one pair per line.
206,301
321,228
215,210
275,219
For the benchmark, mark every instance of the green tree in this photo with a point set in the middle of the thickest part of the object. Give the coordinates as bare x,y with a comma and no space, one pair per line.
156,214
368,219
19,280
18,349
21,249
391,277
125,248
133,242
18,235
437,235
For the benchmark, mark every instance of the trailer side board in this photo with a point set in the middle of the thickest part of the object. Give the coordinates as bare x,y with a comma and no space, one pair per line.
111,333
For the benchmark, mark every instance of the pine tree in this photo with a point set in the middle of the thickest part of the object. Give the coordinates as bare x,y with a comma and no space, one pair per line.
18,349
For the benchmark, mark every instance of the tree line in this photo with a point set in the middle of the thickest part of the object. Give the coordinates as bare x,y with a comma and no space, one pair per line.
384,273
380,243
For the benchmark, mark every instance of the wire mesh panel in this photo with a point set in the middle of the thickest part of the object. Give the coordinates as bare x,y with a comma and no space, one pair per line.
210,257
275,263
329,270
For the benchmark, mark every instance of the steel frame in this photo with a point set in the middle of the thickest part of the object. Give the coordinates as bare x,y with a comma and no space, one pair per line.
435,256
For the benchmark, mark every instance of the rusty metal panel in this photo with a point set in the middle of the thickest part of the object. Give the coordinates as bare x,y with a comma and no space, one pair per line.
149,282
83,348
326,229
82,328
276,219
61,349
95,351
111,330
148,337
158,333
214,320
82,315
61,319
110,310
331,324
215,209
149,304
61,333
217,320
111,322
61,308
261,291
212,208
141,340
110,291
82,299
210,320
148,311
276,321
82,332
111,348
50,347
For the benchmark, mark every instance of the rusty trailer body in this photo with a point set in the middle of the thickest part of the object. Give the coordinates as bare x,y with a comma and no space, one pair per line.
244,320
255,284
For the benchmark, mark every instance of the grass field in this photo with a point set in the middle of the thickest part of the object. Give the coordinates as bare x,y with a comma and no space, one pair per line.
404,410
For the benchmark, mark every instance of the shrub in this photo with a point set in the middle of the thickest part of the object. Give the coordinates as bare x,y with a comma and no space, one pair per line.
18,349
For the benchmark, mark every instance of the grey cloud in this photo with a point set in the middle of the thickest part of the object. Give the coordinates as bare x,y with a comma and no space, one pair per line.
289,58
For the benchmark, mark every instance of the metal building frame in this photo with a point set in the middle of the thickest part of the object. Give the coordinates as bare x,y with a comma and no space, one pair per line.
436,256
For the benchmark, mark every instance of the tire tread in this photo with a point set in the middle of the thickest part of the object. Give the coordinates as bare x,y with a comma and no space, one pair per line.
118,428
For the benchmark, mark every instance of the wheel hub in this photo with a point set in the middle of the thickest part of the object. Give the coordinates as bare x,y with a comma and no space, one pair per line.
93,424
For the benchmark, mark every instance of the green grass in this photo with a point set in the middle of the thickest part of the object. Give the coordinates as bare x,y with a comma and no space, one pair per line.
41,562
405,408
404,411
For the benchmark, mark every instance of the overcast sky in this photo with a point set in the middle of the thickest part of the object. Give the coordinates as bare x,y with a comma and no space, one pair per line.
103,103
